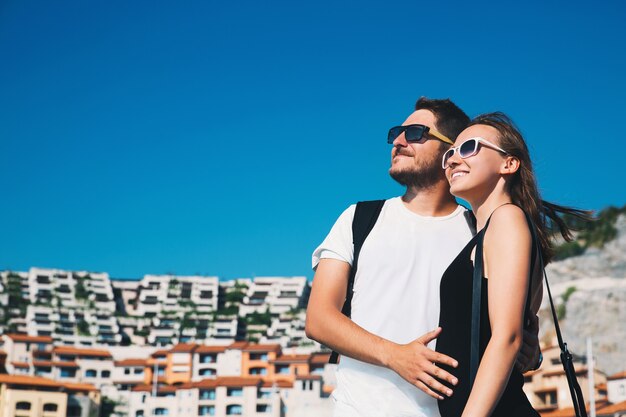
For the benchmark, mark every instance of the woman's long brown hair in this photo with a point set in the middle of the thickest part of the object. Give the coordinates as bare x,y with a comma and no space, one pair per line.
522,185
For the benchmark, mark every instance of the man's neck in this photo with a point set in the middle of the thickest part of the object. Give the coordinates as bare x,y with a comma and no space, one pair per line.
433,201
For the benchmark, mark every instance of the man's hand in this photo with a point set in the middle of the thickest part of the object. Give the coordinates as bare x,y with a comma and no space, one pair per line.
416,363
529,353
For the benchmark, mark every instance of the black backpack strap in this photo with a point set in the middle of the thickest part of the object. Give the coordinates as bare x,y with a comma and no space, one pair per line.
365,217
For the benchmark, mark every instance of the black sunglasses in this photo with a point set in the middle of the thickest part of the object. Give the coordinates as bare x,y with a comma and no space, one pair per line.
415,133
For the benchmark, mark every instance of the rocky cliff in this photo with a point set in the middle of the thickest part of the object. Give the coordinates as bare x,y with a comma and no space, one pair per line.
590,291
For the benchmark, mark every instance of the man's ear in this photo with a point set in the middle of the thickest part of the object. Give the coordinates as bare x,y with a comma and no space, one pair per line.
510,165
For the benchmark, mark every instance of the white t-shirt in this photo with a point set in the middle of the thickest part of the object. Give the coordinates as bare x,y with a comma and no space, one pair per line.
396,296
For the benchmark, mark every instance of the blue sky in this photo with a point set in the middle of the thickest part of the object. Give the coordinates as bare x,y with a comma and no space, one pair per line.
225,138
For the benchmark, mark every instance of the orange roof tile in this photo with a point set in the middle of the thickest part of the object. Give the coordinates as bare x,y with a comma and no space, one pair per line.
159,353
36,381
292,359
79,387
320,358
2,353
279,384
238,345
66,364
308,377
43,363
184,348
612,408
132,362
262,348
160,388
620,375
205,383
601,387
26,338
20,364
211,349
327,389
237,381
71,350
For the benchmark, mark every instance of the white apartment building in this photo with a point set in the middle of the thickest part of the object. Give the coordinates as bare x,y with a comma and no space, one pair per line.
288,330
220,397
214,361
74,308
616,388
307,399
278,294
159,293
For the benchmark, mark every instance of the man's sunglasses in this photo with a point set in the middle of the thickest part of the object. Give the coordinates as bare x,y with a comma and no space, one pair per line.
468,148
415,133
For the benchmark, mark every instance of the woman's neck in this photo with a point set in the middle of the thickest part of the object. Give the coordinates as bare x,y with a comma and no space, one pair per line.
483,209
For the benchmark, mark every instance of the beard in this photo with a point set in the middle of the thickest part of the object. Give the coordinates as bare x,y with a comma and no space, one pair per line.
422,176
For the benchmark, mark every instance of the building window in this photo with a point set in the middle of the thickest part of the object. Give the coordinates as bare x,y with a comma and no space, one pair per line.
207,372
258,356
548,397
206,410
22,405
234,392
91,373
138,371
126,371
161,412
234,410
263,408
105,374
207,358
264,393
282,369
50,407
258,371
139,413
207,394
68,373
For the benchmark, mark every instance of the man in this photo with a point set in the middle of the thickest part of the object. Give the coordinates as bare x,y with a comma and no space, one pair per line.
388,367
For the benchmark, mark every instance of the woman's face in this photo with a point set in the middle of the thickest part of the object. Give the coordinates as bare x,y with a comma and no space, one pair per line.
474,177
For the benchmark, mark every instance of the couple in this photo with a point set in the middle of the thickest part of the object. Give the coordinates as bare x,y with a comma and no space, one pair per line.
415,275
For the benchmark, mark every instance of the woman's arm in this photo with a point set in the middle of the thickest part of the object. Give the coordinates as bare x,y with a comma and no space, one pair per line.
507,250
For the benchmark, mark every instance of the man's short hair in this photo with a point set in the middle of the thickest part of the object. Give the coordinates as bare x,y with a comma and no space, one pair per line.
451,120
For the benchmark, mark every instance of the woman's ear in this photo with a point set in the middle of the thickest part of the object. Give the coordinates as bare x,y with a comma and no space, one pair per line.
510,165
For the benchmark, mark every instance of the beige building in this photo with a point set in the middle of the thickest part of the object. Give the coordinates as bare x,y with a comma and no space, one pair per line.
28,396
547,388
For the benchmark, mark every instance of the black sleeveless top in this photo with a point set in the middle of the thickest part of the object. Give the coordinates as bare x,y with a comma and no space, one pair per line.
455,339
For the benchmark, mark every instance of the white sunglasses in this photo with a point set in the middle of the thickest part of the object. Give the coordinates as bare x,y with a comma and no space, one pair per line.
467,149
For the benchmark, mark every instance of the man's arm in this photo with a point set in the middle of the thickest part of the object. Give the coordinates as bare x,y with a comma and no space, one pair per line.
414,361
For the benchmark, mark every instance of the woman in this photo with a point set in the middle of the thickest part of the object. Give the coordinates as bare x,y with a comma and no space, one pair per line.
490,168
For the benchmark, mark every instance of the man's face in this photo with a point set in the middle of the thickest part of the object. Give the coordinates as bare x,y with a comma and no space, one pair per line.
417,164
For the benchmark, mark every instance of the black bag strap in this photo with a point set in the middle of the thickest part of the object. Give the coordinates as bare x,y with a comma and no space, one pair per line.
566,356
365,217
